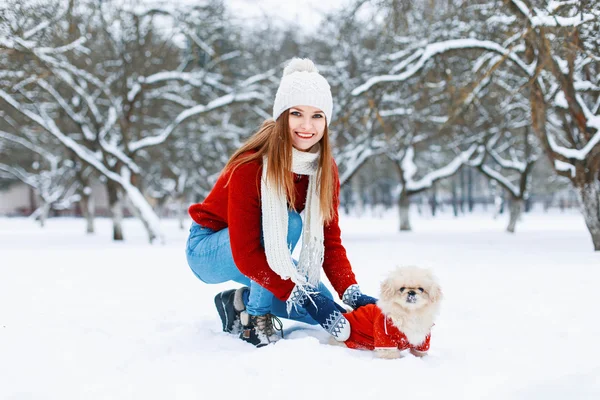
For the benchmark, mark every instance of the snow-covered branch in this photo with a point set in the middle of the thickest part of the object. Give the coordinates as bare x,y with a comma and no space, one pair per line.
515,165
434,49
199,109
19,173
502,180
449,170
77,118
53,160
353,156
77,44
46,23
544,18
565,167
409,168
577,154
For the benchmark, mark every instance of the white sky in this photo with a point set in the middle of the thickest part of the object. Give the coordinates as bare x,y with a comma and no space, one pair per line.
304,12
307,13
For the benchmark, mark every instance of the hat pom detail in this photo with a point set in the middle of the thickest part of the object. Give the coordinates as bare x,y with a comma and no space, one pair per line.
300,65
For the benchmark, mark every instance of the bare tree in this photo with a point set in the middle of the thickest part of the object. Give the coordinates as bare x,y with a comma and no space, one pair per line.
561,75
122,93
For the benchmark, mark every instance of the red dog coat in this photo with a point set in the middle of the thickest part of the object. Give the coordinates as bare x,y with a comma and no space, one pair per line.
372,330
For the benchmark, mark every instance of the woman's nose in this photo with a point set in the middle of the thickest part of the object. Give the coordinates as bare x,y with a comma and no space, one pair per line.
306,123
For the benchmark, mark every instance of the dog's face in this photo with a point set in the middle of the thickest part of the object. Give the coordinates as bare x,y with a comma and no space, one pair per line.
411,288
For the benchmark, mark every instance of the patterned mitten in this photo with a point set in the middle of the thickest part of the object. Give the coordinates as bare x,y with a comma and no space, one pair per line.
323,310
354,297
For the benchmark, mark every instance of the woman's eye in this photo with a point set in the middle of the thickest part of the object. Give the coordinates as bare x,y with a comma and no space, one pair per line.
296,113
402,289
421,289
317,116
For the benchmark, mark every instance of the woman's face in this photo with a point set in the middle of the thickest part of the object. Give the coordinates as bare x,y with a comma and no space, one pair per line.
307,126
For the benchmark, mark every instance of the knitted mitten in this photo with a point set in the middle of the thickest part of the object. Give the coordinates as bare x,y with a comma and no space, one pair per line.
323,310
354,297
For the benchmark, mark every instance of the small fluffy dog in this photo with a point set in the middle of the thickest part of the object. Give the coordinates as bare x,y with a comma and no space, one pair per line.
402,319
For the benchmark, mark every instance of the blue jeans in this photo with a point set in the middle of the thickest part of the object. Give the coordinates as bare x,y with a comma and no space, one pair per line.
210,258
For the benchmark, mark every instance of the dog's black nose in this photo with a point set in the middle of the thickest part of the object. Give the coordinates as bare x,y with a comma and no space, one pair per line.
412,293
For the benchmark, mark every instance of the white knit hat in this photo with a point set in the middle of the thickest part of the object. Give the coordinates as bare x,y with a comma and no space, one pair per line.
302,85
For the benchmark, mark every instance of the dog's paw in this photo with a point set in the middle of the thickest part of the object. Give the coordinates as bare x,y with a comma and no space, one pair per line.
418,353
388,354
332,341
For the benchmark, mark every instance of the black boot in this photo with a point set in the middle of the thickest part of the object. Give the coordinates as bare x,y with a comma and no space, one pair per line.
259,330
229,306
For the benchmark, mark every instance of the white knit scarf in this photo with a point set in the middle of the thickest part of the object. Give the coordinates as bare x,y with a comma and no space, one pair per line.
275,224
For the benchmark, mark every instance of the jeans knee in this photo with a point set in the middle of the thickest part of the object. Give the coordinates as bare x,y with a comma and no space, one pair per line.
294,228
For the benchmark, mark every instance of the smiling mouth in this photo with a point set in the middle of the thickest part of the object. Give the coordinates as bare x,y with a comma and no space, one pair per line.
303,135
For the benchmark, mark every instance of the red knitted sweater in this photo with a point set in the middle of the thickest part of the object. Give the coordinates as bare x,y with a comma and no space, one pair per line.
237,206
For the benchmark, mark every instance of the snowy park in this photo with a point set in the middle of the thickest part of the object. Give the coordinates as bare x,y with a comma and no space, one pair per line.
83,317
461,136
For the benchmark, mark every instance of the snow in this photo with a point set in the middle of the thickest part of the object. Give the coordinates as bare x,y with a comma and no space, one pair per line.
554,5
77,44
563,166
135,89
560,100
396,111
82,317
409,168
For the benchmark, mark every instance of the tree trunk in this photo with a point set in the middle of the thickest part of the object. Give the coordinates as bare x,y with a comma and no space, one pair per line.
160,206
90,217
433,203
454,197
87,209
357,194
32,201
44,210
462,190
116,208
470,193
589,196
180,210
528,204
404,207
516,207
498,205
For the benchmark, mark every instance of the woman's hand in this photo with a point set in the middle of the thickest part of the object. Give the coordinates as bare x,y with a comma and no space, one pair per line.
322,309
355,298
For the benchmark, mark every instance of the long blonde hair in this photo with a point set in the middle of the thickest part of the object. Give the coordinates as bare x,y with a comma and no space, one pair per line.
274,140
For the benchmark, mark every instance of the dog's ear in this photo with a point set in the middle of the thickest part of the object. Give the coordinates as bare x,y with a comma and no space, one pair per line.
435,293
387,288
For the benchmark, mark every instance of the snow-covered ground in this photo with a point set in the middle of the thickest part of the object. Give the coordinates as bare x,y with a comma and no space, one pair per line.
82,317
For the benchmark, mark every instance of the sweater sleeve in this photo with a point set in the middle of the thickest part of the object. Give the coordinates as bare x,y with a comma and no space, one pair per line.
244,220
335,261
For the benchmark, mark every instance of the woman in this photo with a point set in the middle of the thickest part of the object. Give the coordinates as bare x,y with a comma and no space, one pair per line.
247,227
